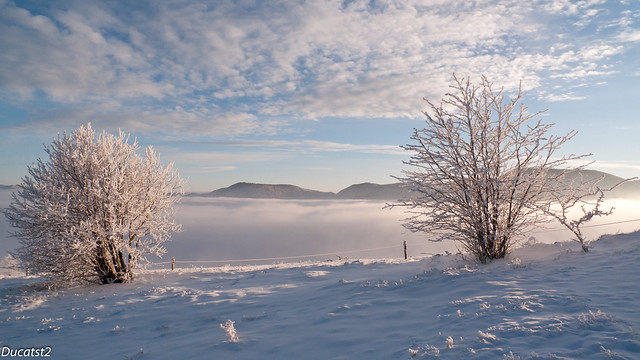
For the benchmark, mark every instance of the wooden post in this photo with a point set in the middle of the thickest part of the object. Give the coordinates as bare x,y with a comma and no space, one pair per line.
405,249
27,271
173,263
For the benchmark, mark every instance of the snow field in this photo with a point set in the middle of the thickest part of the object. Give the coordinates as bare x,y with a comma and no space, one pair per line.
546,301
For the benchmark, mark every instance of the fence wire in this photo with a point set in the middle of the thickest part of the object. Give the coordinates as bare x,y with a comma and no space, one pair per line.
276,258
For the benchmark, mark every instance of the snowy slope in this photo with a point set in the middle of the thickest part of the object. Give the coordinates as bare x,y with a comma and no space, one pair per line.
546,301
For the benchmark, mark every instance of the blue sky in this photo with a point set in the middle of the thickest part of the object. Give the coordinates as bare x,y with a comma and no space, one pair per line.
315,93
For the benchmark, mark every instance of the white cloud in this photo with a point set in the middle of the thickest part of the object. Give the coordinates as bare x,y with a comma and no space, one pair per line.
315,146
224,160
561,97
198,120
216,68
68,57
629,36
215,169
615,165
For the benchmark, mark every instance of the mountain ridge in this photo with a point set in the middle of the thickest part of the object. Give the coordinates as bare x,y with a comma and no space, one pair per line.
362,191
269,191
373,191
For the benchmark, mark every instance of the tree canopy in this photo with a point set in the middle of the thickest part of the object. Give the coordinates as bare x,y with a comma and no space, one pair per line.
94,209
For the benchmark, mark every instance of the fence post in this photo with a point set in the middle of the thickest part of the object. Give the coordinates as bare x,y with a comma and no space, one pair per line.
173,263
405,249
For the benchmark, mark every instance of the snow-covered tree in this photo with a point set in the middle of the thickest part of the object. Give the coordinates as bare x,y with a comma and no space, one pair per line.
94,210
481,169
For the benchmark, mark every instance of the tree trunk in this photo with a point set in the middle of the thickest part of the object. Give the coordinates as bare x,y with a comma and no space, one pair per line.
111,266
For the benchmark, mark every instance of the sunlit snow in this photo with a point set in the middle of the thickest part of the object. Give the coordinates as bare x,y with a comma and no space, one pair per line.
544,301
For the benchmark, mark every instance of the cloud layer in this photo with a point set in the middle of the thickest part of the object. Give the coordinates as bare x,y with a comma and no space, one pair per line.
244,67
229,229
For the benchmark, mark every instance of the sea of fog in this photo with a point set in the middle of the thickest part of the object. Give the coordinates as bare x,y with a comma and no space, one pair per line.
219,231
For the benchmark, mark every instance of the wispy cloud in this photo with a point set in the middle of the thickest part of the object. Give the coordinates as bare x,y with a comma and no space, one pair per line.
314,146
227,156
554,97
224,160
216,169
225,68
615,165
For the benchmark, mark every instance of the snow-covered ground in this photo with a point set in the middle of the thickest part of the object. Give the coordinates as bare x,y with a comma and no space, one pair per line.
546,301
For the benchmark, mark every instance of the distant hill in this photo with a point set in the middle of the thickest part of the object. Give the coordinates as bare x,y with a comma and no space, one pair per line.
267,191
628,189
364,191
370,191
388,192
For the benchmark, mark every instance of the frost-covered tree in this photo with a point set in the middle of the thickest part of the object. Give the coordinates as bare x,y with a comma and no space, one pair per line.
480,169
94,210
584,194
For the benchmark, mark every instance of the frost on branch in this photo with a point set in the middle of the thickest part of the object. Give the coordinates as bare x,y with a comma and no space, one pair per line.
585,194
94,210
481,169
